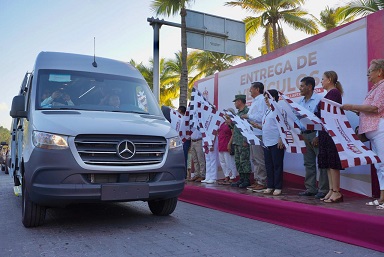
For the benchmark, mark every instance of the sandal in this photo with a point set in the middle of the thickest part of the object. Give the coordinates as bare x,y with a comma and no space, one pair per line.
380,207
327,196
374,203
337,200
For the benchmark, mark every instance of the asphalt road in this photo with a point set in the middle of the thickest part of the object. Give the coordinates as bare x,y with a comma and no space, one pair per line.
129,229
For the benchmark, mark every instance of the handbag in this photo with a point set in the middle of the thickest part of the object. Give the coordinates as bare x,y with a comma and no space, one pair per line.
232,151
363,138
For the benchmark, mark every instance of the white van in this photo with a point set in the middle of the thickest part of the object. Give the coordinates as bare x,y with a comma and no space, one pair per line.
89,129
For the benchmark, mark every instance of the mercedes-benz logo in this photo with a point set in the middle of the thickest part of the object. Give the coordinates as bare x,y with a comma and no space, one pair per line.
125,149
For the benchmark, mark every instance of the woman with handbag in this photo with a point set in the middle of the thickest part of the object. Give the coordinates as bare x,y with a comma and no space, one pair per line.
371,115
226,158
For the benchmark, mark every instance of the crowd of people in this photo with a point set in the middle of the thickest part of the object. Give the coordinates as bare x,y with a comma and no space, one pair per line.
238,158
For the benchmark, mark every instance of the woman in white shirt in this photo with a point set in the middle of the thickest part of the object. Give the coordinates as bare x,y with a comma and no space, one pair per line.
274,147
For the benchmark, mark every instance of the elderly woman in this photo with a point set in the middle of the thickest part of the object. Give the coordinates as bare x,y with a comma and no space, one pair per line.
328,157
371,114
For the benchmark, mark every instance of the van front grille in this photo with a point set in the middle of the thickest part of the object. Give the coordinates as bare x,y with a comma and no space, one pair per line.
134,150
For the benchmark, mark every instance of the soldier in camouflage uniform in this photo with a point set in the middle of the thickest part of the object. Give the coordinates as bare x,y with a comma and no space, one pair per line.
243,164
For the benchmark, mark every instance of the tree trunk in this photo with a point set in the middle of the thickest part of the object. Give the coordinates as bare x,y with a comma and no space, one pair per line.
184,69
274,31
267,42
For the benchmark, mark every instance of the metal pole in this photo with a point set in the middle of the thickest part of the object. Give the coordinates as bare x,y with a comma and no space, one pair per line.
156,60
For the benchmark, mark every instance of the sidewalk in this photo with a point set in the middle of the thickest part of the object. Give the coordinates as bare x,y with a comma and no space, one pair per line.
350,221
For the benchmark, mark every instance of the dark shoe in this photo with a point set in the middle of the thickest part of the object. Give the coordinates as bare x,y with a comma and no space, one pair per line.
306,193
320,195
237,183
244,184
194,178
199,179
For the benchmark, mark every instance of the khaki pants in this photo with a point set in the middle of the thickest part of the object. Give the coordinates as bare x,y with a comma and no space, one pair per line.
258,163
198,158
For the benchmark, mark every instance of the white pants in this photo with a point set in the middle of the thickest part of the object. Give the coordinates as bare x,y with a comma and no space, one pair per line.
211,163
227,163
377,140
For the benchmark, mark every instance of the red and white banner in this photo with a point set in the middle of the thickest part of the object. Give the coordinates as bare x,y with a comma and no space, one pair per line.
307,119
176,119
209,121
352,151
290,133
245,128
201,115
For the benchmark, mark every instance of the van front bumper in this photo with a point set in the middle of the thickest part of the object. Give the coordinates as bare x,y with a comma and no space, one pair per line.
54,178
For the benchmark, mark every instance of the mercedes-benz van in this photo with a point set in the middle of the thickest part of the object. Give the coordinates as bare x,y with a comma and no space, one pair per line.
88,129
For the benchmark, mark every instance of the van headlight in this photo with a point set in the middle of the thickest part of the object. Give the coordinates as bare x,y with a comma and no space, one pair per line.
175,142
49,141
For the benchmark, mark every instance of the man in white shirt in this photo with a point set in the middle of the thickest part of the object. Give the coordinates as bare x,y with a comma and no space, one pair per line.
255,114
310,101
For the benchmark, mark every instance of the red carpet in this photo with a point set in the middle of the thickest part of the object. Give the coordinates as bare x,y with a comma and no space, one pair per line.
349,227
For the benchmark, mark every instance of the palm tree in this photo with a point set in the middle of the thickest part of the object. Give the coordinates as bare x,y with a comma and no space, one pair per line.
175,65
208,63
363,7
332,17
169,83
172,7
271,15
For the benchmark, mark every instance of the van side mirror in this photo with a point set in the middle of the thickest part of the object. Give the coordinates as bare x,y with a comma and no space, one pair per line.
18,107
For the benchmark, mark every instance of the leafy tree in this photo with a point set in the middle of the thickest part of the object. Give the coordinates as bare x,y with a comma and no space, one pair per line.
5,135
207,63
332,17
172,7
271,14
363,7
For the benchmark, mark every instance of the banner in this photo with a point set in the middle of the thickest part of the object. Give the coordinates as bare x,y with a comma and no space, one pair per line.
245,128
352,151
290,132
209,121
306,118
176,119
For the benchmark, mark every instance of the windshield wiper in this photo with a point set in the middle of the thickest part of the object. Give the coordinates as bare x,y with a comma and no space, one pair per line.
138,112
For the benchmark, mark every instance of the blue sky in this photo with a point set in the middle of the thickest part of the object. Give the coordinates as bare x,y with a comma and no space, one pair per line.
122,32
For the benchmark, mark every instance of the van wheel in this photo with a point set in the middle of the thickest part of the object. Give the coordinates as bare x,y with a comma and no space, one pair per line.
162,207
33,215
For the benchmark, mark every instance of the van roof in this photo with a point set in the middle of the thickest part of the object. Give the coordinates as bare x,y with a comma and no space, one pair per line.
78,62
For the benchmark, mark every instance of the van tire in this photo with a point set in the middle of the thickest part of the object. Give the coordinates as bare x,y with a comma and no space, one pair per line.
162,207
33,215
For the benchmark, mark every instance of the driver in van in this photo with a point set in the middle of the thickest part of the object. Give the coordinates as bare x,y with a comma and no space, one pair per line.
114,101
57,98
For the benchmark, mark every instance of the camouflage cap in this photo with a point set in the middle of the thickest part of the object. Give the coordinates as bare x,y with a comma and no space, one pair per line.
237,97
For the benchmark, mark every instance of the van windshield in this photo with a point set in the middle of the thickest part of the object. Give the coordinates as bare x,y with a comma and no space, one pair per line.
65,89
